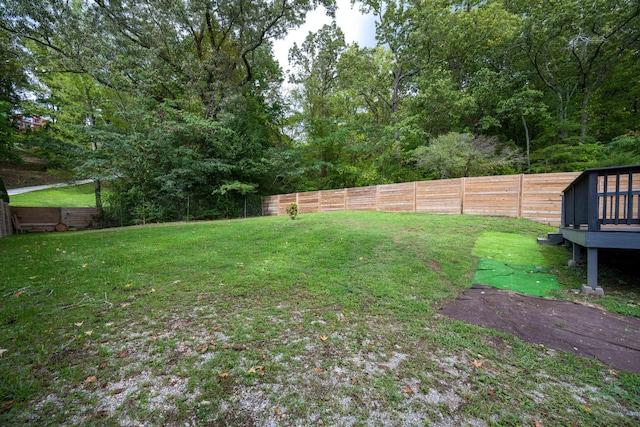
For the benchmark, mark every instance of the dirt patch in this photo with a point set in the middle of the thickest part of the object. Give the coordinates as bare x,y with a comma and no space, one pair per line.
563,325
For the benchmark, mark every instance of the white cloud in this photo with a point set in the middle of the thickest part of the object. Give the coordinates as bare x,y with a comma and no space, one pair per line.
357,28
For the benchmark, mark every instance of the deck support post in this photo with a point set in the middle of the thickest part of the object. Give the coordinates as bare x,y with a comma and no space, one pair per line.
592,287
576,253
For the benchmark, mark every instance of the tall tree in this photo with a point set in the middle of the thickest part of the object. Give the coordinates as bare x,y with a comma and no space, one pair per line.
574,45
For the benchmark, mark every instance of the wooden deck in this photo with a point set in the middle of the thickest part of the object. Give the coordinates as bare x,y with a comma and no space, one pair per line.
601,209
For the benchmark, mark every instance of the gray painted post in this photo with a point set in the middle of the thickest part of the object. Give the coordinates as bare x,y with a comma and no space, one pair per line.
592,268
576,253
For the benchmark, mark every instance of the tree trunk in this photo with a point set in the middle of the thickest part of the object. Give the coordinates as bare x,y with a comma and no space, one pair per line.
528,139
584,116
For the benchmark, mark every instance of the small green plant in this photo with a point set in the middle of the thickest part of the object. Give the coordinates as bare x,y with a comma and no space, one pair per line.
292,210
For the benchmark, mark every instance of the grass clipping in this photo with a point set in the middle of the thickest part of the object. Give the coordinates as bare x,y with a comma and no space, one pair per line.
513,262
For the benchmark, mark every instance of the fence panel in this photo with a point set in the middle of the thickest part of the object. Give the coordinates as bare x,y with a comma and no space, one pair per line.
332,200
270,206
542,196
5,219
309,202
362,199
492,195
78,218
284,201
397,197
442,196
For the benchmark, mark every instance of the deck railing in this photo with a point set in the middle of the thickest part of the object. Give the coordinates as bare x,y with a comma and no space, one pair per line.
607,196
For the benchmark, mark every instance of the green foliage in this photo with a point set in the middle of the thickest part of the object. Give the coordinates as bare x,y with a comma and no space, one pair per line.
292,210
622,150
457,155
566,158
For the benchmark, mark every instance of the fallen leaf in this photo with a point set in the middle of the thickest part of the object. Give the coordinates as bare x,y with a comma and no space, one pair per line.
299,327
537,423
225,345
203,348
215,328
476,363
3,351
323,338
239,347
407,390
91,379
586,408
102,365
128,285
491,392
123,354
317,370
79,324
84,265
256,369
118,391
354,380
7,405
277,410
223,374
104,341
88,333
19,293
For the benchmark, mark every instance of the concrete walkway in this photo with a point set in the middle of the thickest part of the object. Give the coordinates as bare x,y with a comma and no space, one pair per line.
44,187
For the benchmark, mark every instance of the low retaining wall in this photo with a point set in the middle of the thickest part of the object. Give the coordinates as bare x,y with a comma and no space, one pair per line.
37,219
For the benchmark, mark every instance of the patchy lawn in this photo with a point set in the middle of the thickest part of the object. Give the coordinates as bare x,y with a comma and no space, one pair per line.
331,319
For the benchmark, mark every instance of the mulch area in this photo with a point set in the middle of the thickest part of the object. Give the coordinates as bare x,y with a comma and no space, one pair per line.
560,324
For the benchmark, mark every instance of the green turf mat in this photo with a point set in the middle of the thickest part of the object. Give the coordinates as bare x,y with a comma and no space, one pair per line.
526,279
513,262
511,248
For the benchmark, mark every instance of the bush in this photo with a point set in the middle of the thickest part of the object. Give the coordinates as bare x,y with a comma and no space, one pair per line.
292,210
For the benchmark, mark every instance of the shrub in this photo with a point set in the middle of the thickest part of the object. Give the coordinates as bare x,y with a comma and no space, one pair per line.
292,210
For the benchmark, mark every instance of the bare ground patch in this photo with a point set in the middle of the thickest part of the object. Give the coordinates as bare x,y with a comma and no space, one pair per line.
283,365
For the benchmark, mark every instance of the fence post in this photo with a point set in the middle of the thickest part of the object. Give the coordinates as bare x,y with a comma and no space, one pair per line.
520,196
462,194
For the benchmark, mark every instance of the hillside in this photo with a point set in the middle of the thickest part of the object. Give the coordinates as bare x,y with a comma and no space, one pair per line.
32,172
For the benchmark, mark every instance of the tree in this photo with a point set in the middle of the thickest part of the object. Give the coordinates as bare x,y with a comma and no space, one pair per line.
574,45
457,155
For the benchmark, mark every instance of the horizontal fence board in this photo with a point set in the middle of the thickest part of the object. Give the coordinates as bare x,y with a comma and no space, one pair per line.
537,197
361,199
270,206
332,200
309,202
396,197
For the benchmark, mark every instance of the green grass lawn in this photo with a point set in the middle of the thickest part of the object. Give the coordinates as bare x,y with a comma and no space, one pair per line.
76,196
331,319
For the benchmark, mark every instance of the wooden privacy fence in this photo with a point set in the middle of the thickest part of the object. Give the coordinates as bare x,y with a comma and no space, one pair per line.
537,197
35,219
